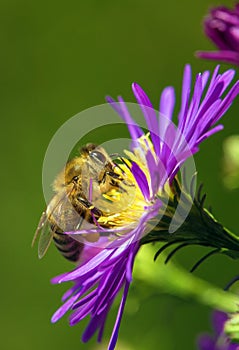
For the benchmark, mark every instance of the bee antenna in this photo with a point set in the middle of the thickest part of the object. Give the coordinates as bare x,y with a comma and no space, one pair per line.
212,252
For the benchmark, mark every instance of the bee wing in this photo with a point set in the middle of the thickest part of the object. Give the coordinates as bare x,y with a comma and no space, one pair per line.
42,221
44,231
44,240
45,235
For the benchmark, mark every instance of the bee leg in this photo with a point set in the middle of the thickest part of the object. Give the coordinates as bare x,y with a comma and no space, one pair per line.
88,205
114,175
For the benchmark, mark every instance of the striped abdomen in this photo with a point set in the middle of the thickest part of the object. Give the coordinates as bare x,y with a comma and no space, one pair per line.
67,246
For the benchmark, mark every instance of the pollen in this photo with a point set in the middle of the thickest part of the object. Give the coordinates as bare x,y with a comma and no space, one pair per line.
124,205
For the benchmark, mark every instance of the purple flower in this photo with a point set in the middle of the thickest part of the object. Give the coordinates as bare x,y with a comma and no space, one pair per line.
222,27
151,166
97,283
200,110
219,341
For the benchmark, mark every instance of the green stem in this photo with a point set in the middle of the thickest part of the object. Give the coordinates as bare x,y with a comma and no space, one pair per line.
176,281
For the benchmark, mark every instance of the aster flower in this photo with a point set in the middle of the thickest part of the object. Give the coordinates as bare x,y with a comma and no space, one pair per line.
150,167
219,341
222,27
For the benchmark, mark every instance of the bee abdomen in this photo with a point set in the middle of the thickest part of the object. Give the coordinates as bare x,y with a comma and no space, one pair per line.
67,246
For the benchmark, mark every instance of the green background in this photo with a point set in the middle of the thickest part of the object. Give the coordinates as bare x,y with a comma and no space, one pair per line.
58,58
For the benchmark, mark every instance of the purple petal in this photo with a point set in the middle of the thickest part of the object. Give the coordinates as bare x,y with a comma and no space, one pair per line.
226,103
213,78
211,97
185,93
130,262
194,105
141,179
205,77
85,300
70,291
213,29
154,170
86,268
102,326
134,129
227,78
201,125
115,105
149,114
90,281
58,278
209,133
63,309
121,108
223,56
81,313
115,332
218,320
110,292
167,102
205,342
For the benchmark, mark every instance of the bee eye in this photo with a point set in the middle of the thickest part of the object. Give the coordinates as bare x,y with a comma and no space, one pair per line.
98,156
75,179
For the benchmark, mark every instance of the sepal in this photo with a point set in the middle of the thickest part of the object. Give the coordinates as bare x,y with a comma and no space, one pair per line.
196,226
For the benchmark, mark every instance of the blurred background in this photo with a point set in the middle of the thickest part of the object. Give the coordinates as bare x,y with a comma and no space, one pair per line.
59,58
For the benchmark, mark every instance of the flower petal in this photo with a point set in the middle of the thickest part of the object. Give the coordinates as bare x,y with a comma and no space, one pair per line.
115,333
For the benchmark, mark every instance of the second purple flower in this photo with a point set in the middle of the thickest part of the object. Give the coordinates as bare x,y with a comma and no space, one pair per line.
222,27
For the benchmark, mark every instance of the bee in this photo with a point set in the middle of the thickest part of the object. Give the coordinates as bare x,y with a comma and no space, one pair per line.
78,189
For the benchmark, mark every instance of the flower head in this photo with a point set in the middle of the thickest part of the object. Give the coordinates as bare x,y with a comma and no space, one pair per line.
219,341
222,27
149,170
201,108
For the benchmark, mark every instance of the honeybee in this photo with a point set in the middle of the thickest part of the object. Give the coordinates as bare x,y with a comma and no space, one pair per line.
78,189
